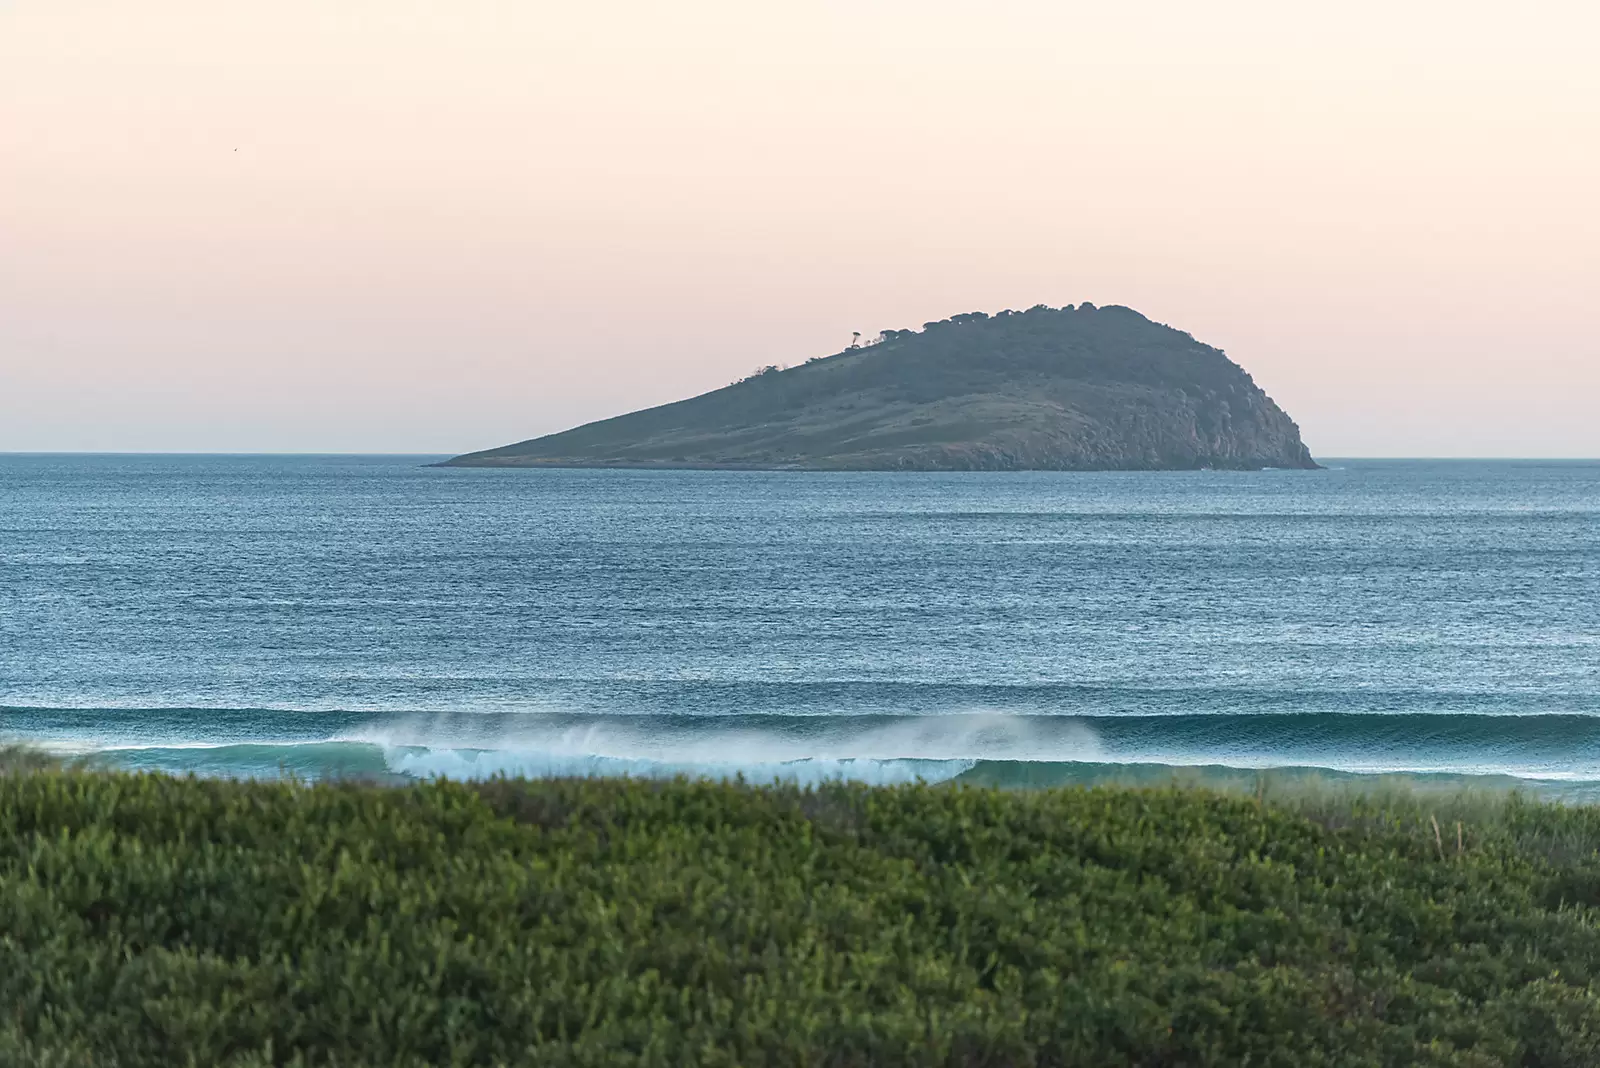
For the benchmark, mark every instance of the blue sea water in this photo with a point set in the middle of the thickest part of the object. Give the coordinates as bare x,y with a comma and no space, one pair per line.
361,615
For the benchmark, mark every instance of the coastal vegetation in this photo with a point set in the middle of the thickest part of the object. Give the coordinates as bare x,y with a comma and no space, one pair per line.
15,759
1072,388
151,920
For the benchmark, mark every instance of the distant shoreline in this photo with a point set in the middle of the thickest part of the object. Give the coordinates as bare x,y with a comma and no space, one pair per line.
669,465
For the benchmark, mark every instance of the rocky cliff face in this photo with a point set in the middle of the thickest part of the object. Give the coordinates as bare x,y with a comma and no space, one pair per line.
1047,389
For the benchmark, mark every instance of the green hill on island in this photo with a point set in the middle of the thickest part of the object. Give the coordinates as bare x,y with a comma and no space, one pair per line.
1066,389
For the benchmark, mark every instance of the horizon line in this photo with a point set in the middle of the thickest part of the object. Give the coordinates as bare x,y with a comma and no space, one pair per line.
1465,458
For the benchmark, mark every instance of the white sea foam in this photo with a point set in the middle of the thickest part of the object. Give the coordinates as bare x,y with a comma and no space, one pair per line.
932,748
483,763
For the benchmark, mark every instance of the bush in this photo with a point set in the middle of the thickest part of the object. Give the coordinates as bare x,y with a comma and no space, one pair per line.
147,920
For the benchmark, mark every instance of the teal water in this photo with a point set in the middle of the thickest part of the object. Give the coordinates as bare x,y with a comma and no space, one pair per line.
328,616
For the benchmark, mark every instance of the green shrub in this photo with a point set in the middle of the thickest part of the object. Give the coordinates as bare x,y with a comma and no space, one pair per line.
147,920
18,759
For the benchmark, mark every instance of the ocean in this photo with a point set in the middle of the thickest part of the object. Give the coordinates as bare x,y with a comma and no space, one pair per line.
371,616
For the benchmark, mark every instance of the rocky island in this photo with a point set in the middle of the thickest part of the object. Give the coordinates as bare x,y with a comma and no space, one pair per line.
1063,389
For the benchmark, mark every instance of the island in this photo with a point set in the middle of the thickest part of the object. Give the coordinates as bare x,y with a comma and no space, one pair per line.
1077,388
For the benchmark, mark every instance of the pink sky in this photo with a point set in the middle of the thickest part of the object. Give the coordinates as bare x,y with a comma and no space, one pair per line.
380,225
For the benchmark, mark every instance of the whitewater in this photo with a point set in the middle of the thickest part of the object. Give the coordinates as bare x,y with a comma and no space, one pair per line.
375,618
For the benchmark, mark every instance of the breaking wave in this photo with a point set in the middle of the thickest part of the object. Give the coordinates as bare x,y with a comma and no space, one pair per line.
1549,752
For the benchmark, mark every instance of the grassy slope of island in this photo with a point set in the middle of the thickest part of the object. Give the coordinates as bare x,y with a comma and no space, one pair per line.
147,920
1074,388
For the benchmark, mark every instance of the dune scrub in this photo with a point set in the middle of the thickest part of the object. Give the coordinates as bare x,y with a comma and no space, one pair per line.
152,920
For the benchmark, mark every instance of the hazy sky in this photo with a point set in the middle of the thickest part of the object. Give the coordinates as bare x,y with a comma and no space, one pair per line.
375,225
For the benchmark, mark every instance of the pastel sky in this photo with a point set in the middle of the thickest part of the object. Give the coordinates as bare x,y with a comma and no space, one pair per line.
382,225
